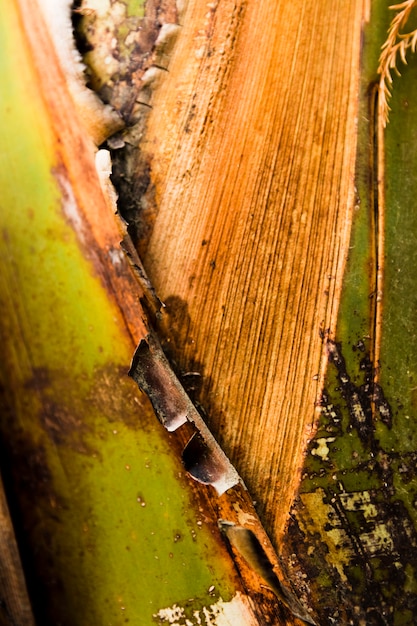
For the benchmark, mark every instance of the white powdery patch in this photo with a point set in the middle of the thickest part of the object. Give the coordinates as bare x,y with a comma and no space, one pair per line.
322,450
237,611
171,615
104,169
56,14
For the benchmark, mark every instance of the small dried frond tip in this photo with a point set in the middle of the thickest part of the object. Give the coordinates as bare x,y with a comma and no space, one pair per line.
396,45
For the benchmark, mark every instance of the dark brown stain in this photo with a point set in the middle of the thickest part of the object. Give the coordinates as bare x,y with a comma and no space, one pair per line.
116,397
70,419
40,379
60,411
176,324
175,332
131,176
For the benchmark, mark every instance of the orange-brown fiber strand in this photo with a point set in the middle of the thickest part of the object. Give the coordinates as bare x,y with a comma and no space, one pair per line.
252,137
96,225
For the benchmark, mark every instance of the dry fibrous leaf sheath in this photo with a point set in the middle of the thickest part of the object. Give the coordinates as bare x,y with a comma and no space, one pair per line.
98,492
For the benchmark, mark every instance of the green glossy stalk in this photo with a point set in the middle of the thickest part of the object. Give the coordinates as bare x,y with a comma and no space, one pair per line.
106,521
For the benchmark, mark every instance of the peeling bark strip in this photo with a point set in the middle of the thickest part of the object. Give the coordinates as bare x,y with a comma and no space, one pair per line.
206,462
203,457
248,545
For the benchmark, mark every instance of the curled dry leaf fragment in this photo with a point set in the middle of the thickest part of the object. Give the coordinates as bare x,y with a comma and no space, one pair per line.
245,541
204,458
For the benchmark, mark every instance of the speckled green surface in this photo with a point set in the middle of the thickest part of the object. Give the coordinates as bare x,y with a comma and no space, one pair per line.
356,517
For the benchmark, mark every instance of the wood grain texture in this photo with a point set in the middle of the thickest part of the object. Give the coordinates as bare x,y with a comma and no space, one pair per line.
252,140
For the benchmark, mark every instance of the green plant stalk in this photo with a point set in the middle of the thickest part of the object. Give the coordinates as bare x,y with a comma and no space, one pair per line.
357,508
107,526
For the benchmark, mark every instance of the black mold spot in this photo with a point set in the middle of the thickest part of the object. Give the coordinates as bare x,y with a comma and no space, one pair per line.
361,398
